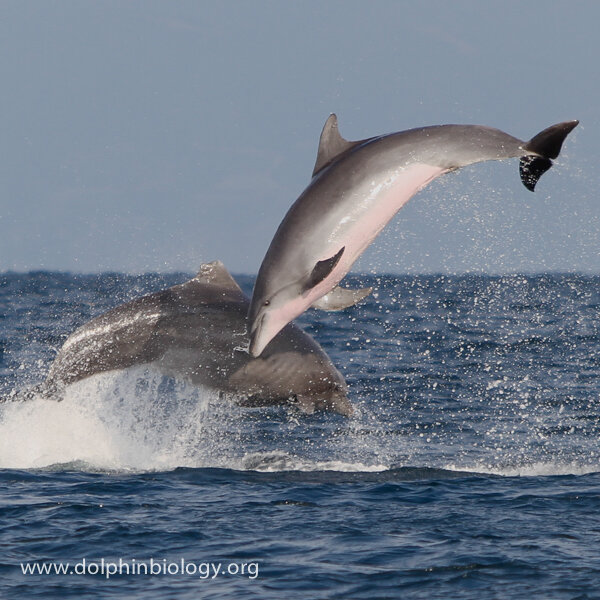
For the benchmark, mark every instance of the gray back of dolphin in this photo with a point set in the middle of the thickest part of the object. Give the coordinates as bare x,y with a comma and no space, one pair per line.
357,187
192,331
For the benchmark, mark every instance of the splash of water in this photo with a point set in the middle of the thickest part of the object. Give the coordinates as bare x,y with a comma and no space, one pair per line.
131,420
137,420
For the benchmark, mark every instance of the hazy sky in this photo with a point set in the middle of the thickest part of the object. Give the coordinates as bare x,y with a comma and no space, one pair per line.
143,136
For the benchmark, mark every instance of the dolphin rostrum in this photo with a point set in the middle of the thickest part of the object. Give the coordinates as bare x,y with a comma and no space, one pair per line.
356,188
192,331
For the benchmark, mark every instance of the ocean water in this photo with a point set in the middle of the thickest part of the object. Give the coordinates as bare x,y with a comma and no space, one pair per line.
471,468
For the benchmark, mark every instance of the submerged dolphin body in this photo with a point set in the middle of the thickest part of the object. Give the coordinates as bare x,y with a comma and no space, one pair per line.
192,331
357,187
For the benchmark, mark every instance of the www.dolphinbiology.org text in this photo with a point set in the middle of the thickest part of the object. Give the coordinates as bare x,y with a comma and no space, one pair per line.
108,568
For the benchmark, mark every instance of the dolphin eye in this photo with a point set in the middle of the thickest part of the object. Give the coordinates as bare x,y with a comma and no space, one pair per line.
267,302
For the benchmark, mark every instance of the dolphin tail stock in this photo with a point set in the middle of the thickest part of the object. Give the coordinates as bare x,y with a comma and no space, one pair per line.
540,149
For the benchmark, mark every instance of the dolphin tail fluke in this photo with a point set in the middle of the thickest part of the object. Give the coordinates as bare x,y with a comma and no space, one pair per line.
540,150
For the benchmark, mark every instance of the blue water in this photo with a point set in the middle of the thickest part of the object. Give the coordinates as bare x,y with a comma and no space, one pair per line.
470,470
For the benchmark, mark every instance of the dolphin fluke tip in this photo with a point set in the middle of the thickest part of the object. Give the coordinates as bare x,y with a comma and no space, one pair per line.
531,168
540,149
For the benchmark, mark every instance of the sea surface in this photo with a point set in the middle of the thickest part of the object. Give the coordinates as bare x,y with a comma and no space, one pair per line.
470,470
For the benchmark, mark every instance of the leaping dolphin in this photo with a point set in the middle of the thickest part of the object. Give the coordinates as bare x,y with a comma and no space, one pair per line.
356,188
191,331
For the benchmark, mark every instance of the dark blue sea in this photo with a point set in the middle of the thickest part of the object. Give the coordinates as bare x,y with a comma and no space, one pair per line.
470,470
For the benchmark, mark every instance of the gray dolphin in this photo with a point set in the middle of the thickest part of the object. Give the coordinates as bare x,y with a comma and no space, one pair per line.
356,188
192,331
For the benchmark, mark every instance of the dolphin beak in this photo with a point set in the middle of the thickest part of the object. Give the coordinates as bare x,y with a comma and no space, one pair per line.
265,327
257,345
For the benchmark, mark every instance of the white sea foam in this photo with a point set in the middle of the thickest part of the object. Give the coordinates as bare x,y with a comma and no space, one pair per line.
137,420
124,421
281,461
537,469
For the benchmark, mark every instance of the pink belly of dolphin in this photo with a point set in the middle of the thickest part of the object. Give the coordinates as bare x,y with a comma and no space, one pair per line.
368,223
355,231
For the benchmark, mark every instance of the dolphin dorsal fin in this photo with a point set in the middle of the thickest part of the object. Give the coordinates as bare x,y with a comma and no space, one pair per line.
215,273
216,282
331,144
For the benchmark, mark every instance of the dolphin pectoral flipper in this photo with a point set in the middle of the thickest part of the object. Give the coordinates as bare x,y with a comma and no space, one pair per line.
323,268
339,298
543,147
